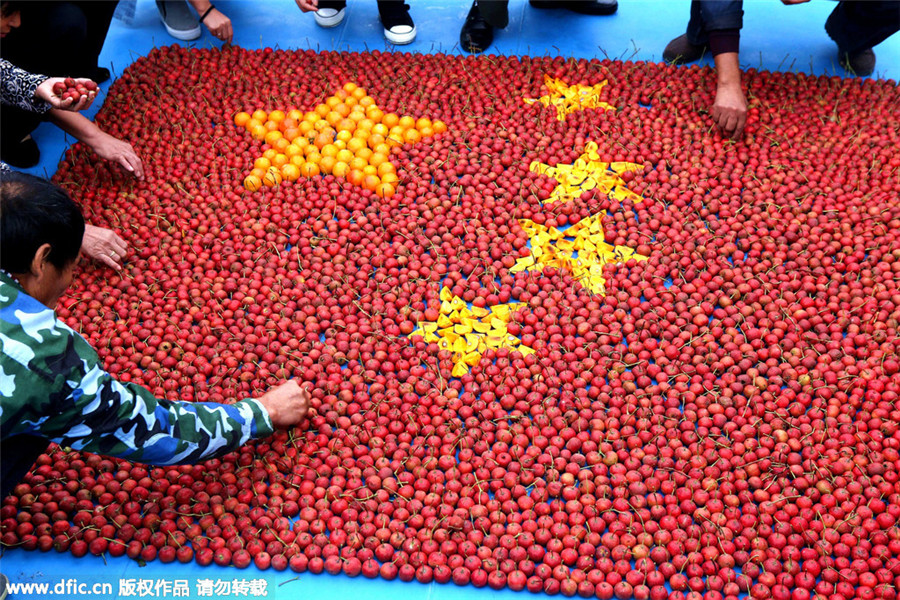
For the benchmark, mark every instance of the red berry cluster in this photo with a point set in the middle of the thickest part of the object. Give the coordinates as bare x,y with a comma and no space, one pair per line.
722,421
74,90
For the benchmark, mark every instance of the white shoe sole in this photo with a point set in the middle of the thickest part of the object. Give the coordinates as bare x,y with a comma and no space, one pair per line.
185,35
330,20
400,38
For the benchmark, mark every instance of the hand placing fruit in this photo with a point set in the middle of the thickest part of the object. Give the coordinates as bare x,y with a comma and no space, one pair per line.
111,148
104,245
286,404
67,93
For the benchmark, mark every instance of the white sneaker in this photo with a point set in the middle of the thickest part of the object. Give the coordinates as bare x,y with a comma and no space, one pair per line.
330,17
400,34
180,21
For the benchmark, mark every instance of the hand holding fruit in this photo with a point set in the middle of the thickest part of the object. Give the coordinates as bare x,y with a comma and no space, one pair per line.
67,93
104,245
286,404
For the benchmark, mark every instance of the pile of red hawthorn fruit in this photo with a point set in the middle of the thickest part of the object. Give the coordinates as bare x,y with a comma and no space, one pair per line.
723,420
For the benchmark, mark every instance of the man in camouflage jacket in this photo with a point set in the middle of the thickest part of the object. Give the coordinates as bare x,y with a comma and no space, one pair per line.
52,383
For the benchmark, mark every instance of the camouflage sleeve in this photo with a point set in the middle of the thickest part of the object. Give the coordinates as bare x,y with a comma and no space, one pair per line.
54,385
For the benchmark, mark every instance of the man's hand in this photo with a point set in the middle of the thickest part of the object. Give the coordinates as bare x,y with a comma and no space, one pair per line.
308,5
45,92
789,2
730,110
110,148
287,404
219,25
104,245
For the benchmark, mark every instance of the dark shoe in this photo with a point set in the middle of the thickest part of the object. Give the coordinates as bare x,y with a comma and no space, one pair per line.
180,21
680,51
861,64
583,7
23,154
399,28
476,34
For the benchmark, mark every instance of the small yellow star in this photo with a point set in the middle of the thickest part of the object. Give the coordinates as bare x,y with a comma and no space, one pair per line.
469,332
587,173
584,256
569,98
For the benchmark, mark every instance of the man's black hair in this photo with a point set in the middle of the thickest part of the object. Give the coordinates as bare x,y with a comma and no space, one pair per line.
10,8
34,212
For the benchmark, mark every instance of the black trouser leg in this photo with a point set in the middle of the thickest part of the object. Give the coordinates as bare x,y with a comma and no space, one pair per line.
17,456
857,26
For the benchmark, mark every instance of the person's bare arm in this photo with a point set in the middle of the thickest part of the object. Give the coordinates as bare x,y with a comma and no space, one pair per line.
729,111
218,24
105,145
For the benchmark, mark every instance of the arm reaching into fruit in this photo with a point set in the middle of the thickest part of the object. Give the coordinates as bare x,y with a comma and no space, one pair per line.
59,390
105,145
729,111
104,245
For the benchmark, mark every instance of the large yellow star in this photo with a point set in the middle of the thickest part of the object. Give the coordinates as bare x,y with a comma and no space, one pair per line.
584,256
587,173
469,332
347,135
569,98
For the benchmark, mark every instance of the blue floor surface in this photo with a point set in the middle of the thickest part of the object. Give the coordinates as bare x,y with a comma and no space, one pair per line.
775,37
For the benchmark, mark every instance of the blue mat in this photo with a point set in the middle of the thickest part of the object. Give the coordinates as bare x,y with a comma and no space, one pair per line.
775,37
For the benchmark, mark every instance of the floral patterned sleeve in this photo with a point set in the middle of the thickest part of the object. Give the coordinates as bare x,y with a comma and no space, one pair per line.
17,88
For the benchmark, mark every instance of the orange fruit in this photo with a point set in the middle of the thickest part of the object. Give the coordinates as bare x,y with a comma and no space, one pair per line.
385,168
426,132
292,150
380,129
344,135
384,190
292,134
287,123
272,137
280,160
342,109
249,125
439,127
412,136
295,114
375,113
423,122
359,93
310,149
383,148
390,119
329,150
390,178
260,173
313,157
377,159
259,132
355,177
348,125
277,116
298,160
370,170
260,115
252,183
333,118
344,155
290,172
333,101
357,163
272,178
262,163
241,118
323,109
270,154
374,139
355,144
327,164
364,154
271,125
366,101
311,116
349,87
357,116
306,127
406,122
340,169
323,139
309,170
370,182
